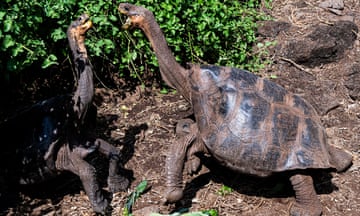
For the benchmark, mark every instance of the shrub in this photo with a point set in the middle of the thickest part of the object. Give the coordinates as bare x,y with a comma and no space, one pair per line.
33,33
212,31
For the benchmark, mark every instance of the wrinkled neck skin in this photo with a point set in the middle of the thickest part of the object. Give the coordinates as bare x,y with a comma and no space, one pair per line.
171,71
84,92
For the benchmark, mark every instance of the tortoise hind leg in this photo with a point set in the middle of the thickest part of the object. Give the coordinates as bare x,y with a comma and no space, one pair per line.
307,203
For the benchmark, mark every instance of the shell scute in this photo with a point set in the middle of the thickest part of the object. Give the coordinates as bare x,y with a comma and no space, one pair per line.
310,136
244,78
304,159
273,91
303,105
255,108
284,129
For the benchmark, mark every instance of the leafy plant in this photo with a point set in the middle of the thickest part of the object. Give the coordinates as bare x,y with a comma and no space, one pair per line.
212,31
33,34
140,188
224,190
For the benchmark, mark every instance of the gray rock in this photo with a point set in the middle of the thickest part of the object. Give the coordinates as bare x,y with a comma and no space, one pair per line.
334,4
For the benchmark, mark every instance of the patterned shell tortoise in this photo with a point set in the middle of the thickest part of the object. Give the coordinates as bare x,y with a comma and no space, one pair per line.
247,123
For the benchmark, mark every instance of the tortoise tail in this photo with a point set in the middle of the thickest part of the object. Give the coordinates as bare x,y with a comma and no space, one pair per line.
340,159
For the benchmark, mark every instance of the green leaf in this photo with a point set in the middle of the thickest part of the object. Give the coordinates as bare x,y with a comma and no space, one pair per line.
7,25
58,34
164,91
113,18
2,14
140,188
50,60
16,50
225,190
7,42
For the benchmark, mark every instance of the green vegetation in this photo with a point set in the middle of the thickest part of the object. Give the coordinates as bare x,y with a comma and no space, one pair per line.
212,31
33,34
225,190
140,189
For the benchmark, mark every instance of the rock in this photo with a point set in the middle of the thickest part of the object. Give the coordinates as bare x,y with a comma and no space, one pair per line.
334,4
324,44
352,81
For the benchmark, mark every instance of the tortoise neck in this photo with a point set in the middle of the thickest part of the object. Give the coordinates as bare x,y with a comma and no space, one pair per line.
171,71
84,92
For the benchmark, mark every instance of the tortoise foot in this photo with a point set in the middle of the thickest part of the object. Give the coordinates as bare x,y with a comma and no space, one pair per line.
303,210
101,205
173,194
307,203
117,183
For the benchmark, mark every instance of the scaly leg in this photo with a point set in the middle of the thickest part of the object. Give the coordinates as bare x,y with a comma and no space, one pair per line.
307,203
193,162
175,162
72,160
183,128
115,181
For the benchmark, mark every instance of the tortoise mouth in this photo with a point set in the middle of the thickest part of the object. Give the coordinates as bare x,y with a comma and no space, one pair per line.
127,24
123,9
87,24
82,24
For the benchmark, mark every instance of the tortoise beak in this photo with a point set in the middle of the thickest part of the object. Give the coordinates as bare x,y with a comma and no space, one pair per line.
88,24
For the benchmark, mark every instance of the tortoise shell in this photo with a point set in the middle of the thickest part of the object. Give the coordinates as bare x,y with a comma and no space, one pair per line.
254,125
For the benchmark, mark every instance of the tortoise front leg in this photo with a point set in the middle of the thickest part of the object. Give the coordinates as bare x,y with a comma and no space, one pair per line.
193,162
175,162
307,203
115,181
183,128
72,160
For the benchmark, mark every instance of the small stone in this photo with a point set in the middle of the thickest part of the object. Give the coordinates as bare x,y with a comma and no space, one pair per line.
334,4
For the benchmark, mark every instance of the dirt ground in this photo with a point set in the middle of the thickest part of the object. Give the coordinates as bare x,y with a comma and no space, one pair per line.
141,123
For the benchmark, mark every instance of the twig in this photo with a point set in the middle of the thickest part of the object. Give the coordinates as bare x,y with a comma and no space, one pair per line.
296,65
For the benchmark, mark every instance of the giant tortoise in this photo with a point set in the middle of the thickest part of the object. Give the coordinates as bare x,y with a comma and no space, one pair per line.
247,123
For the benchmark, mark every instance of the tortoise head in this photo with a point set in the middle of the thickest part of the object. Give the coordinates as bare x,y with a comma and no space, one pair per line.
76,32
136,15
81,25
